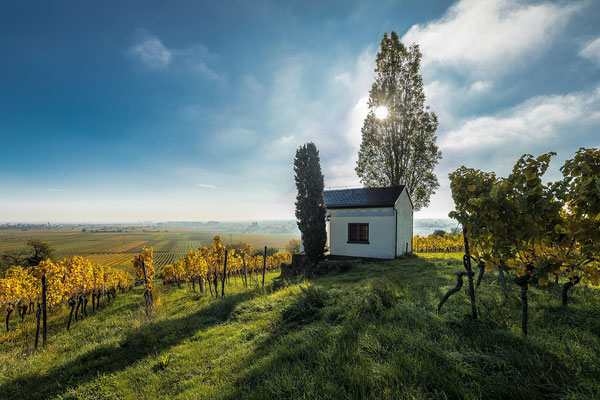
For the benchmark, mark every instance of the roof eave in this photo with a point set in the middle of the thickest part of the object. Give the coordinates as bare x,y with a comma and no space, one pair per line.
362,206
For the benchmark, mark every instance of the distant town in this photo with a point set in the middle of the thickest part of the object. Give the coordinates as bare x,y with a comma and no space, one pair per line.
422,226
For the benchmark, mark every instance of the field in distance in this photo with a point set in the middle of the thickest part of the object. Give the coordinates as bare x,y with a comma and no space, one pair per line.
116,249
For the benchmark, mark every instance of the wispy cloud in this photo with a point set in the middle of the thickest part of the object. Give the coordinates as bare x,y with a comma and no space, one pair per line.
151,51
592,51
206,185
286,139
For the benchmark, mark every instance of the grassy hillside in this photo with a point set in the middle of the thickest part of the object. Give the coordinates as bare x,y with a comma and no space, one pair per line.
371,332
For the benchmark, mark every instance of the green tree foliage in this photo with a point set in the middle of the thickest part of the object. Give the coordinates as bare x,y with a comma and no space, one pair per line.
310,209
455,231
36,252
293,246
40,251
530,229
401,148
13,257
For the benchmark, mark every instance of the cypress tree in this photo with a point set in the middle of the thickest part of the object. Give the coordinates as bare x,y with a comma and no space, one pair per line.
310,208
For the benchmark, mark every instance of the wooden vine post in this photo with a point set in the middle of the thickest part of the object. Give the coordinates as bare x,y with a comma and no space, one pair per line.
264,266
44,311
38,313
147,292
224,274
245,275
41,313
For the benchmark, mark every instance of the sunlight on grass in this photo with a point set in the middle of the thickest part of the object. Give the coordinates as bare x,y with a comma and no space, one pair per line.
371,332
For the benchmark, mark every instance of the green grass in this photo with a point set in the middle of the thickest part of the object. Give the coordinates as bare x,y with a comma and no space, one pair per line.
371,332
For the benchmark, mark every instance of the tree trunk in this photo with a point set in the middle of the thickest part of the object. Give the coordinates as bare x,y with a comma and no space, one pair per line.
523,281
85,301
502,279
565,290
525,316
93,301
467,263
201,284
481,266
23,312
8,312
77,309
459,283
72,304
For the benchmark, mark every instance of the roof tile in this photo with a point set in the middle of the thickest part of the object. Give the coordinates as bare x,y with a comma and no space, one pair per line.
363,197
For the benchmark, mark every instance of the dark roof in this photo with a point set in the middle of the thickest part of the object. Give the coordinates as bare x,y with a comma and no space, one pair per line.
364,197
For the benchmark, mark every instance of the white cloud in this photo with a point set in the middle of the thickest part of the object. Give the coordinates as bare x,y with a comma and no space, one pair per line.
541,120
206,185
286,139
495,142
491,37
154,54
203,69
195,59
592,51
480,86
151,51
343,78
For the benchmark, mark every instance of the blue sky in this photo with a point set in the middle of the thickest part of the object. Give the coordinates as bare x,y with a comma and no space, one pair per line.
137,111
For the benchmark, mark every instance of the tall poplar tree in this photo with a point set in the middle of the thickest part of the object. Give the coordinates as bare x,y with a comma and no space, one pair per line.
310,205
399,149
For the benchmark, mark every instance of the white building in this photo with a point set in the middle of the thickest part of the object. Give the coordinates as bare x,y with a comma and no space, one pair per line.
369,222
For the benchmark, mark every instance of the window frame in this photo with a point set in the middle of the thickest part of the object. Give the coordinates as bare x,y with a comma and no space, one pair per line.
358,233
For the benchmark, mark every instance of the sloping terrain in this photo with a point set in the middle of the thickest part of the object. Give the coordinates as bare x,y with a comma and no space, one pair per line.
368,332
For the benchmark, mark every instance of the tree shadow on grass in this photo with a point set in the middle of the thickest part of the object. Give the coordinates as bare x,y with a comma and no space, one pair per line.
146,340
402,353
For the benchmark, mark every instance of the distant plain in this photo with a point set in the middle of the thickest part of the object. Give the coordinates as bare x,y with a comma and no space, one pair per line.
116,249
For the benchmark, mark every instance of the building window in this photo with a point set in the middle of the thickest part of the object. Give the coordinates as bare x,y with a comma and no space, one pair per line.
358,233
